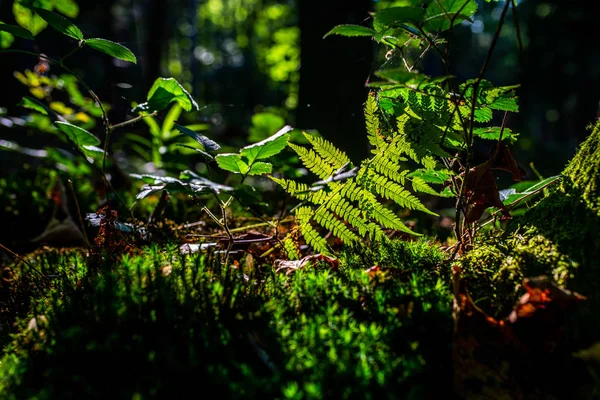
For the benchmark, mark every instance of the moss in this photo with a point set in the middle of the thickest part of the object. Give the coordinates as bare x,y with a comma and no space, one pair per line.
495,269
163,325
584,169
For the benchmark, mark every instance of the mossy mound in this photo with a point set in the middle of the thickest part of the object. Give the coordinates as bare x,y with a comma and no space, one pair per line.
494,270
558,237
164,325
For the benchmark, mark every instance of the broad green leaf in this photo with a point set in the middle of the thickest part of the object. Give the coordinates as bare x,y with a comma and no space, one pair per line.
113,49
207,143
27,18
268,147
59,23
163,92
493,132
232,162
350,30
33,104
399,15
441,13
78,135
16,30
260,168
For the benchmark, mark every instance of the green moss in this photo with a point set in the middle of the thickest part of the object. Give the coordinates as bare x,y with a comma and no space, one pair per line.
584,169
495,269
164,325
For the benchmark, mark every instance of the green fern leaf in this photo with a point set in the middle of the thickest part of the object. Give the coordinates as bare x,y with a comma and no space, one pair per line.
331,154
313,162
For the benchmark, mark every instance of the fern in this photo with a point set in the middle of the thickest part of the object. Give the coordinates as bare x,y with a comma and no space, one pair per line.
353,208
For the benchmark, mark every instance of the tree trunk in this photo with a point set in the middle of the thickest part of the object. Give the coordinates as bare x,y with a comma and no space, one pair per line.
333,73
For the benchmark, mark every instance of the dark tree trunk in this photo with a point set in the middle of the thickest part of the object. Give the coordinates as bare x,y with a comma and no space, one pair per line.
333,73
155,38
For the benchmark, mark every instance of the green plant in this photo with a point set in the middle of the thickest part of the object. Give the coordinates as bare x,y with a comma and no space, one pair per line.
437,117
350,195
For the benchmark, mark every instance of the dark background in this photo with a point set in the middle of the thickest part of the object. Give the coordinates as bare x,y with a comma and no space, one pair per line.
559,71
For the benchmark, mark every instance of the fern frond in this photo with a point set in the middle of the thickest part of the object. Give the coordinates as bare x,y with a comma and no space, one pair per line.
312,237
390,168
372,122
328,221
301,190
393,191
331,154
419,185
291,247
350,212
384,216
313,162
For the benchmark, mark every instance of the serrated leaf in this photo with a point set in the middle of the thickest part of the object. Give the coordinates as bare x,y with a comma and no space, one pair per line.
207,143
59,23
505,104
350,31
260,168
431,176
33,104
442,13
232,162
16,30
78,135
113,49
493,132
408,79
483,114
399,15
268,147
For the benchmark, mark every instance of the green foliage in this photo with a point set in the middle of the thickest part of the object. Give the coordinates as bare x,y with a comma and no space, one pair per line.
16,31
113,49
350,30
176,323
163,92
26,14
245,163
78,135
350,199
59,23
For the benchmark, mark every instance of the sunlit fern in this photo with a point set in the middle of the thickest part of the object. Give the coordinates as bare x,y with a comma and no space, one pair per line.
349,204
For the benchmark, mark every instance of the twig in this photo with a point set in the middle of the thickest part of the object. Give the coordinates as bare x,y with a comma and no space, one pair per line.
87,242
18,257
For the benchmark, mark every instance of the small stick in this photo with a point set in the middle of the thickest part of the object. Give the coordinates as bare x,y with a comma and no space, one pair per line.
87,242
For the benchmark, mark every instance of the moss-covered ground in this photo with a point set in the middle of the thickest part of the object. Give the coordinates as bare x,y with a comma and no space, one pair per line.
380,324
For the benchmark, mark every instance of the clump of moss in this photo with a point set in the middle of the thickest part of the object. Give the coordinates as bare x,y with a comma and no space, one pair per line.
494,270
584,169
163,325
